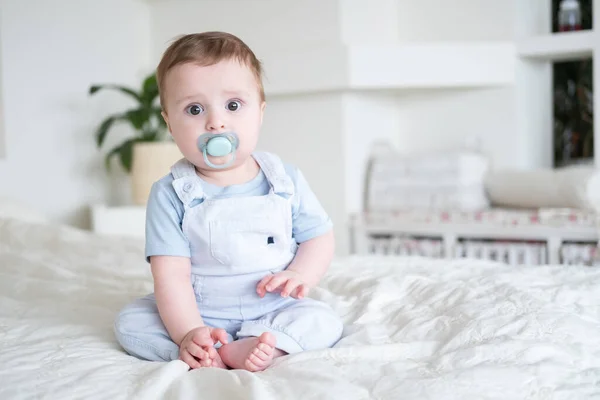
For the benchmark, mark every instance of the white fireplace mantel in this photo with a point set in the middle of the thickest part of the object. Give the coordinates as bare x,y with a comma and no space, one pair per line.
390,67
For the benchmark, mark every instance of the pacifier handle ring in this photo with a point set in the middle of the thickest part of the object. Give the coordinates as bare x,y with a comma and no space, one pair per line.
207,161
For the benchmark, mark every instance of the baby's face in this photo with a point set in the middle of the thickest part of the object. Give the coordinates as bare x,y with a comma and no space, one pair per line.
219,98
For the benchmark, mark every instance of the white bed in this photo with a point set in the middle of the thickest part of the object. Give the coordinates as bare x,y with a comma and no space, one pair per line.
415,329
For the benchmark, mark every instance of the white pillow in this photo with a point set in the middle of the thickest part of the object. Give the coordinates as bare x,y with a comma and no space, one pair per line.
433,181
11,208
569,187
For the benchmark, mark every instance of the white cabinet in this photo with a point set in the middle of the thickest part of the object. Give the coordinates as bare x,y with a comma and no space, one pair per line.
119,220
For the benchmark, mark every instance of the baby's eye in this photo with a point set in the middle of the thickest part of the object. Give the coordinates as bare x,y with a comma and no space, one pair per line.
234,105
194,109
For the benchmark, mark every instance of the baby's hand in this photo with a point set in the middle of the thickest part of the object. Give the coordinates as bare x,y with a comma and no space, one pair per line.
197,347
290,282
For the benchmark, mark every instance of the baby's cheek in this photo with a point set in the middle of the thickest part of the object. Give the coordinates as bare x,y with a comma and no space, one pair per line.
248,141
187,147
185,138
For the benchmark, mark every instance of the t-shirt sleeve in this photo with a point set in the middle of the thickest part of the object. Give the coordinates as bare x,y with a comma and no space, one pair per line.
164,215
309,219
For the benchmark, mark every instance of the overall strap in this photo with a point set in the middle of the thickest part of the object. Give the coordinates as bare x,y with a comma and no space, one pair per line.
186,183
274,171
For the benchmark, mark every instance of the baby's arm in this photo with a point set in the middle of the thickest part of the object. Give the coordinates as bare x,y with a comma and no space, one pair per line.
176,304
306,269
174,295
312,228
313,258
168,251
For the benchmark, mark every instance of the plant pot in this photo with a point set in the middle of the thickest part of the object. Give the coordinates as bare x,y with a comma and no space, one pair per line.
150,162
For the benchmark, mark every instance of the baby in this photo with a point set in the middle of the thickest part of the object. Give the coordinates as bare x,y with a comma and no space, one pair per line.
235,238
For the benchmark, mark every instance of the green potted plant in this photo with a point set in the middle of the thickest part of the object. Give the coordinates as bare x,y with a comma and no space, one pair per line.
148,155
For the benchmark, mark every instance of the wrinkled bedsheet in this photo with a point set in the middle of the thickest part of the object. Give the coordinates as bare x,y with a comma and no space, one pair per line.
415,328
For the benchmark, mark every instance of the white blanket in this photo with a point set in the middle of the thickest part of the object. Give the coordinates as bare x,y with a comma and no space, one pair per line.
415,329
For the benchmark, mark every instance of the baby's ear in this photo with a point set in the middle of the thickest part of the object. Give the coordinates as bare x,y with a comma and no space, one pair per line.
166,118
262,110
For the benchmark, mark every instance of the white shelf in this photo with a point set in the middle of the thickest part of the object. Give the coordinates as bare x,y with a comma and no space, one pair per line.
390,67
558,46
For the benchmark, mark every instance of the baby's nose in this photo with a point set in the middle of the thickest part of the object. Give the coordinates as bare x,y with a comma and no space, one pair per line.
215,123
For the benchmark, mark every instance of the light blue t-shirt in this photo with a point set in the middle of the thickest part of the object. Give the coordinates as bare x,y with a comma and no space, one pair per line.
164,211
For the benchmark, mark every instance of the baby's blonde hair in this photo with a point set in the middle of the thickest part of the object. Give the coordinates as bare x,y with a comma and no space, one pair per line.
204,49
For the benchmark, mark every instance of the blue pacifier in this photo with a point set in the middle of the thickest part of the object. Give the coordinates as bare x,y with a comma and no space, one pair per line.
218,145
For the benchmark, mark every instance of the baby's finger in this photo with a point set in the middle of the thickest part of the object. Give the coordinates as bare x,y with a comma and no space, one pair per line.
189,359
196,351
290,286
276,282
303,291
261,287
219,335
203,339
212,353
300,292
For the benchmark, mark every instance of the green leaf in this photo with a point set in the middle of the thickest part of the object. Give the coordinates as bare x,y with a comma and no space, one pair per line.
109,156
150,84
152,135
149,90
96,88
138,117
126,154
105,127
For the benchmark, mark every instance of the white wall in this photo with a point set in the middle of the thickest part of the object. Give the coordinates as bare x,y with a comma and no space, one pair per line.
456,20
51,51
458,119
450,119
368,22
368,118
265,25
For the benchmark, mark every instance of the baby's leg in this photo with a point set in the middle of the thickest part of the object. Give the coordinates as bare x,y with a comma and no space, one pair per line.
253,354
140,331
302,325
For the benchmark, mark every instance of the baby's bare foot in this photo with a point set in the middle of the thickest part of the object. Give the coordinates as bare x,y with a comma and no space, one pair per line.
212,359
252,354
217,362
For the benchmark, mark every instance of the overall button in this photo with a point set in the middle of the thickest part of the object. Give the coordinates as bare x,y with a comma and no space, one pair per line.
187,187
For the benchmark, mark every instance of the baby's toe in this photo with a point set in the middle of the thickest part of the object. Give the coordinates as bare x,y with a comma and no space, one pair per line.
265,348
268,339
264,356
251,365
256,360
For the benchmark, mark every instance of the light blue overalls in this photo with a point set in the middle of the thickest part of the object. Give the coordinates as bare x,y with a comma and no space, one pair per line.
235,242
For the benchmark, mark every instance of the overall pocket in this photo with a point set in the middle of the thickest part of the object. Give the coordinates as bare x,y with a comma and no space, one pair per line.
249,245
